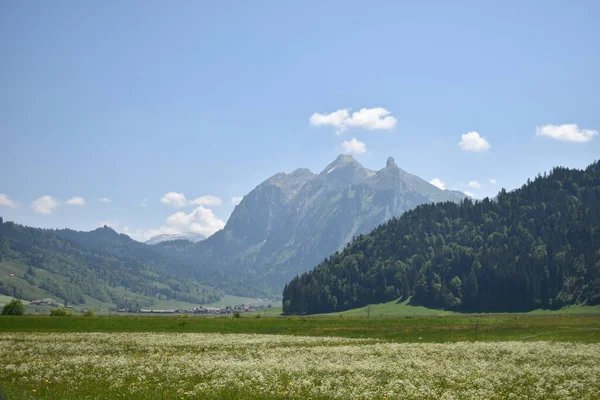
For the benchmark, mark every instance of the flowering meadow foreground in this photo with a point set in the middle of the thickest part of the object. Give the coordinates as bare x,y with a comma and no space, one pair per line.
257,366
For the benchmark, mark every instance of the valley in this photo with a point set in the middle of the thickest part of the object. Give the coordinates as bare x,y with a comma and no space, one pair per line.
322,200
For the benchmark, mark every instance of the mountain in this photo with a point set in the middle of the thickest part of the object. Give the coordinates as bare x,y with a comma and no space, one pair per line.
537,246
191,236
98,266
290,222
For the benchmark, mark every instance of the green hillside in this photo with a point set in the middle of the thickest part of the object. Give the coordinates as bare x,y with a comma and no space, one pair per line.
537,247
99,268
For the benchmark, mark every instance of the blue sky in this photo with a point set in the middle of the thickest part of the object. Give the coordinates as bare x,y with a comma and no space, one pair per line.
129,101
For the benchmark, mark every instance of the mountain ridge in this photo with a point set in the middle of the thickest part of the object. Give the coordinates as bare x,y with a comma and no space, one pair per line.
101,264
290,221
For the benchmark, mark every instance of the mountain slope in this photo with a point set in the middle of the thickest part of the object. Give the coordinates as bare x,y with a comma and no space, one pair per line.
538,246
100,264
288,223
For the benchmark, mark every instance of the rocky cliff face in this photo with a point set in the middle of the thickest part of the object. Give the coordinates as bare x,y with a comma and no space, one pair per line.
290,222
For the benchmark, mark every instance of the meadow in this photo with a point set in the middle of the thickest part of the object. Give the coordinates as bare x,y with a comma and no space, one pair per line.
455,356
260,366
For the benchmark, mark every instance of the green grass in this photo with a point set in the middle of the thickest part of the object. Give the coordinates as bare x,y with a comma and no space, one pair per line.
7,299
28,290
407,329
395,308
569,310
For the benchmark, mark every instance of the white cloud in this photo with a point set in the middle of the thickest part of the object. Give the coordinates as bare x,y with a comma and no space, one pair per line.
366,118
372,119
438,182
566,133
354,146
144,202
200,220
492,181
111,223
105,200
472,141
474,184
174,199
76,201
336,119
44,205
5,201
207,200
178,200
470,194
235,200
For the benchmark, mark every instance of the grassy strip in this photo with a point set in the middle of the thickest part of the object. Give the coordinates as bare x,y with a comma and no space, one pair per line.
426,329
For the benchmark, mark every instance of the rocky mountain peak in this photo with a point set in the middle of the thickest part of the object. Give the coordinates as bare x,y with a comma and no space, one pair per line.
343,160
390,163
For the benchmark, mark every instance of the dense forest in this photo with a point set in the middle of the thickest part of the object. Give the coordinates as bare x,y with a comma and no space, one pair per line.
535,247
100,264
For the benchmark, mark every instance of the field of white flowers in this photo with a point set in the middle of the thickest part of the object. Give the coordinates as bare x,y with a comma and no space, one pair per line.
153,365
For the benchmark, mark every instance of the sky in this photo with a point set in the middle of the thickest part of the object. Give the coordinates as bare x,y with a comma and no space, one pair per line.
157,117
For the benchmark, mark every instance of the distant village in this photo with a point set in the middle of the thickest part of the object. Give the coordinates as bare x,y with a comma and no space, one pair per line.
48,303
242,308
198,310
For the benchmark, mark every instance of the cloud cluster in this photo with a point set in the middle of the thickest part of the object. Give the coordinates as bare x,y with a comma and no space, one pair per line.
566,133
207,200
354,146
178,200
76,201
492,181
472,141
105,200
235,200
6,201
174,199
474,184
200,220
377,118
44,205
438,182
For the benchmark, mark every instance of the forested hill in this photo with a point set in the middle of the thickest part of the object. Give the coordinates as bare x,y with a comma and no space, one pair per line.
101,265
538,246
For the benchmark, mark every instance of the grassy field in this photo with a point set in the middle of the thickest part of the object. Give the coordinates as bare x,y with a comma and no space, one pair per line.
408,329
322,357
241,366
